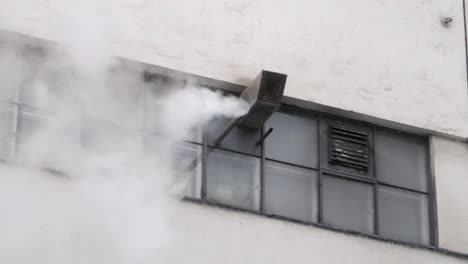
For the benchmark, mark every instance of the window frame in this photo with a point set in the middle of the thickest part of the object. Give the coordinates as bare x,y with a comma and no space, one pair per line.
373,180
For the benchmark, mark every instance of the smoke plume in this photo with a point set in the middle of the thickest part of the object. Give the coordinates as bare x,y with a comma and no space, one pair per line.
90,148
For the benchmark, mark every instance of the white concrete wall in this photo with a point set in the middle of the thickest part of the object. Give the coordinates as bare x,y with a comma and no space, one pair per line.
451,170
390,59
48,221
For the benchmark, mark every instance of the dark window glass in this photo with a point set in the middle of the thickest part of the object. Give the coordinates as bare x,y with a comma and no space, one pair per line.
293,140
401,159
239,139
403,215
348,204
233,179
290,191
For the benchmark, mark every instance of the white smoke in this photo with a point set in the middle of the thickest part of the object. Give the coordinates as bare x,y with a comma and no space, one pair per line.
87,183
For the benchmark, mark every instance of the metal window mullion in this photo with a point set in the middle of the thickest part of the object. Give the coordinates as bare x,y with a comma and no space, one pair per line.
402,188
347,176
16,137
292,164
433,221
376,187
204,162
21,91
19,128
319,175
262,174
233,151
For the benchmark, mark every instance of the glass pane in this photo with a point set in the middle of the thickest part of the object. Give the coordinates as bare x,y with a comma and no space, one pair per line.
8,114
153,110
239,138
41,88
188,159
107,135
48,142
403,215
10,78
401,159
233,179
348,204
290,191
30,125
8,91
157,90
196,134
6,149
293,140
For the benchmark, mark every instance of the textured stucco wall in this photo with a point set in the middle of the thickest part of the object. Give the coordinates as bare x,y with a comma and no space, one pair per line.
390,59
451,171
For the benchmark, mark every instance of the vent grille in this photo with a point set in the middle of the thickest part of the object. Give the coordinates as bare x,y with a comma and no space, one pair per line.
264,96
348,148
272,87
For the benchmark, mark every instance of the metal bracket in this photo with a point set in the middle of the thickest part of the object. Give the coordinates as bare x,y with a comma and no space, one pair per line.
260,141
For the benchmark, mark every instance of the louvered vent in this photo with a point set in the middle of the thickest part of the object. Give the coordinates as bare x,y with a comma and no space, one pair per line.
348,148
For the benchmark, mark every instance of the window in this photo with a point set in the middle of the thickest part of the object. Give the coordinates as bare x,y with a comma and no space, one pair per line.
233,179
322,170
347,204
8,113
290,191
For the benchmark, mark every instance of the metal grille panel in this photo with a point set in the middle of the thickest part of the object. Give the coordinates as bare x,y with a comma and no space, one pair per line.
265,96
348,148
272,87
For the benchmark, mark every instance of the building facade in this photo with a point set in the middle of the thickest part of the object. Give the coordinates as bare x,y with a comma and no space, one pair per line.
383,81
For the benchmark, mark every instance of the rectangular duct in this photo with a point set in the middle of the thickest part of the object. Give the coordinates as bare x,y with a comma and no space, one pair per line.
264,96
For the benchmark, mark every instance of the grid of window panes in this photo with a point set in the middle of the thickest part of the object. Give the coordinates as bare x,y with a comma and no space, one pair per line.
289,176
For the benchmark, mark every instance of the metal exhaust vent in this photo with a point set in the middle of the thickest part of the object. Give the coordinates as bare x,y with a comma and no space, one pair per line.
264,96
348,148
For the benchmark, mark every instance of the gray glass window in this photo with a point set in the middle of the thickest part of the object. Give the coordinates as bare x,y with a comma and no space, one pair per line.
187,160
8,115
11,63
377,176
9,92
30,124
233,179
401,159
403,215
348,204
291,192
239,138
293,140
